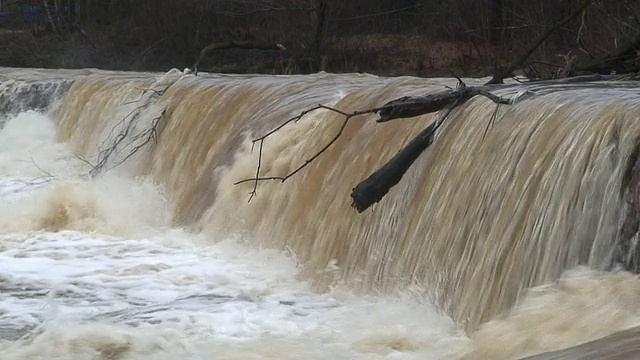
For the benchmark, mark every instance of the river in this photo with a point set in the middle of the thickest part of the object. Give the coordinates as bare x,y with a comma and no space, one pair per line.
123,236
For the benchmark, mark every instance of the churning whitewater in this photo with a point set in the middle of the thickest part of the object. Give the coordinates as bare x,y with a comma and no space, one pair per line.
93,269
122,235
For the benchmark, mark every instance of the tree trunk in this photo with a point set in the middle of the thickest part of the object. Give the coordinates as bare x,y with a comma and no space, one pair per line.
47,10
318,39
495,35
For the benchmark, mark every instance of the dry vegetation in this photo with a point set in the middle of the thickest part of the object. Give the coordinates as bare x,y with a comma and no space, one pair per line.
391,37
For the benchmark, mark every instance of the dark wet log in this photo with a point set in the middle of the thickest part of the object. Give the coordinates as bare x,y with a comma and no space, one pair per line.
377,185
622,345
411,106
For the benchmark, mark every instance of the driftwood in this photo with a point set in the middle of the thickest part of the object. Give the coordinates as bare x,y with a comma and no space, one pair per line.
410,106
377,185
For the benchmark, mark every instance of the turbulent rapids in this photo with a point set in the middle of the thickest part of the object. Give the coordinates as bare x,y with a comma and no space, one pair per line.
120,215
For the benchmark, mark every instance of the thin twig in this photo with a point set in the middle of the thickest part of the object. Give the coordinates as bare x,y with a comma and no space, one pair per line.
347,117
254,192
85,161
47,173
148,135
492,120
144,91
111,146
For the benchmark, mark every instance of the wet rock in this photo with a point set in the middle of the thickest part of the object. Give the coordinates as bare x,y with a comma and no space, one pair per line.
627,253
618,346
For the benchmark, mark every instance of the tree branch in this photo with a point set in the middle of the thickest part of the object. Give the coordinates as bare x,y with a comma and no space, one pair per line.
260,140
503,73
122,136
378,184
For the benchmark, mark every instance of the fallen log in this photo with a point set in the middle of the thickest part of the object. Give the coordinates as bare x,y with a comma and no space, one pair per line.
411,106
377,185
404,107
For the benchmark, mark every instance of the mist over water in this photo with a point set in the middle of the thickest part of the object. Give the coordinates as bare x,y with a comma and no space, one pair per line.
490,248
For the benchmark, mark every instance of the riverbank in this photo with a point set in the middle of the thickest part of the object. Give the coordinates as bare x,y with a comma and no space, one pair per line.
385,55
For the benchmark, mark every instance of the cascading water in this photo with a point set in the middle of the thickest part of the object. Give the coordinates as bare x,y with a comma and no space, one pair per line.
483,221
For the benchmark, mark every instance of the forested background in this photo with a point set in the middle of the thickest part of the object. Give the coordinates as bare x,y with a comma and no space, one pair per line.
388,37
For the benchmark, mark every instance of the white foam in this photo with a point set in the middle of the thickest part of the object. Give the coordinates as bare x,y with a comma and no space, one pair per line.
28,147
92,269
43,187
109,205
217,298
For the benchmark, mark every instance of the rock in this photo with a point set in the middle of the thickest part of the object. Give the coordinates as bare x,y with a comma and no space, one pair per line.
618,346
627,253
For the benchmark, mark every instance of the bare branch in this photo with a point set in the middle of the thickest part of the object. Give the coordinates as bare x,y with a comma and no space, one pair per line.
47,173
146,136
347,117
404,107
122,136
503,73
86,161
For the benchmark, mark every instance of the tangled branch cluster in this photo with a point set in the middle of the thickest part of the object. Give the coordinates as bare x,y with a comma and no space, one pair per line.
122,136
